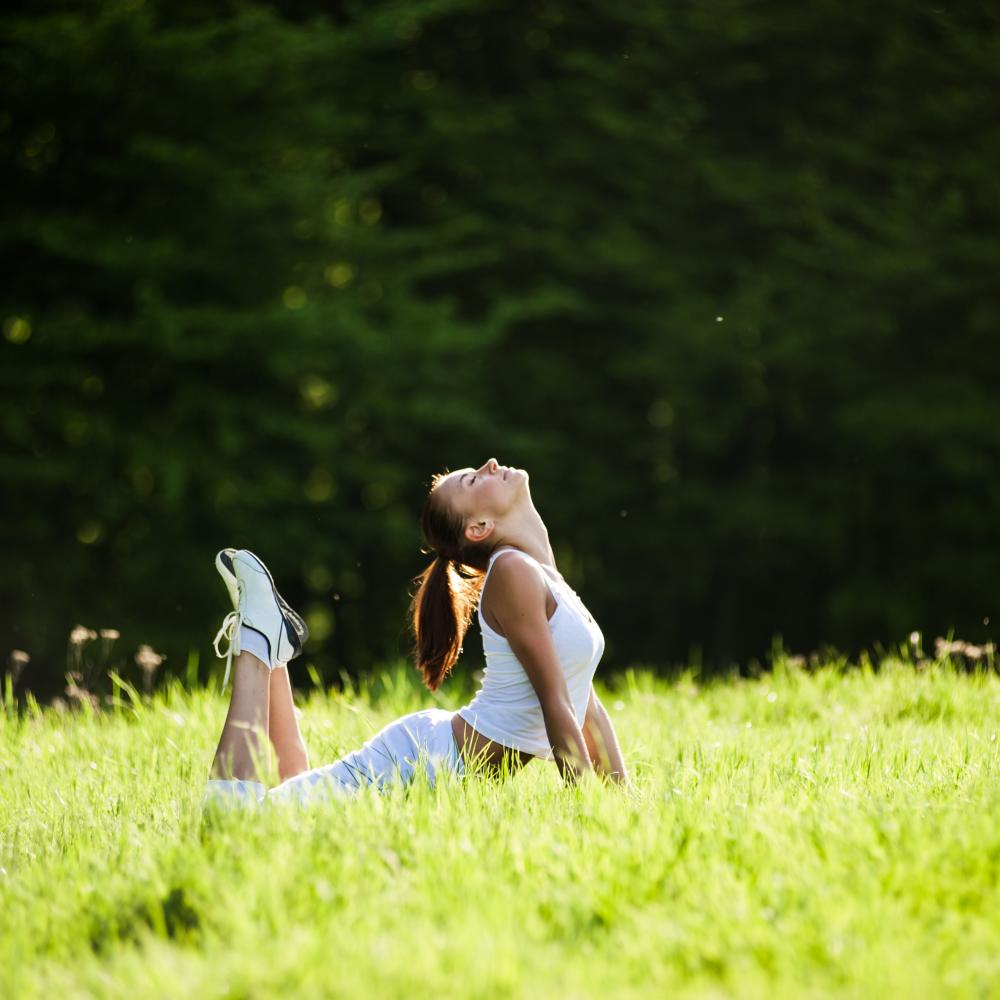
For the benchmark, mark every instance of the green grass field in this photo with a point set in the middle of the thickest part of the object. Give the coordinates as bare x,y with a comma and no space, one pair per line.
803,834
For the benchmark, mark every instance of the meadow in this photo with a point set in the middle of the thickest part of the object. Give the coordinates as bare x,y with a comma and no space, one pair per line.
814,831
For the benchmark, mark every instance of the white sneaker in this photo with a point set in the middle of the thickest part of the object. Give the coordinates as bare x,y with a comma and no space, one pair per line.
257,605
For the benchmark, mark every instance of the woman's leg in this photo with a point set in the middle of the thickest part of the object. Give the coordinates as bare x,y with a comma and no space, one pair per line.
421,740
283,727
243,746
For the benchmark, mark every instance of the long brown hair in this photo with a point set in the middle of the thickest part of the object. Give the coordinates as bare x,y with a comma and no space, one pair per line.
447,591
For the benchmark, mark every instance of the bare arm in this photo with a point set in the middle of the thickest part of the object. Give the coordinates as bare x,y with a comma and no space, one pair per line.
602,742
517,601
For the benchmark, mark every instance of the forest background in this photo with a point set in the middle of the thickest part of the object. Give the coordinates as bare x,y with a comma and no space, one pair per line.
723,276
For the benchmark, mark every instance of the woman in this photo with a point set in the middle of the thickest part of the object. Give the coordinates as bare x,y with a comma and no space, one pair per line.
541,646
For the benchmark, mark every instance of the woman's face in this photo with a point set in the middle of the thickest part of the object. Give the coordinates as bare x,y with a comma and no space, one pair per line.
490,491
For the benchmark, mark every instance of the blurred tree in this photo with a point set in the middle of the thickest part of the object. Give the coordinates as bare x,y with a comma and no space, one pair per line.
721,276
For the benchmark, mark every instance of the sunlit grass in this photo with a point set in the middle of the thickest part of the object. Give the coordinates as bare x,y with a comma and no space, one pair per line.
799,834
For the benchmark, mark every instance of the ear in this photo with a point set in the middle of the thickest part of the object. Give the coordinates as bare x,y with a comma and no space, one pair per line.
479,531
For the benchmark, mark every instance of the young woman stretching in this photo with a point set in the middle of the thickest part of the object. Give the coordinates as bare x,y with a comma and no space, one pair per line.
541,646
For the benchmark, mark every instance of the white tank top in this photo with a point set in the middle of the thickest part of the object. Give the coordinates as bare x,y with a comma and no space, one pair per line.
506,708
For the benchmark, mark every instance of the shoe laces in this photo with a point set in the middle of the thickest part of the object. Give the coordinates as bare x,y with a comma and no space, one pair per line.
230,627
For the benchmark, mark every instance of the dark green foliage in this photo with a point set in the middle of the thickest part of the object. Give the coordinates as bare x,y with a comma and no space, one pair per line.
722,277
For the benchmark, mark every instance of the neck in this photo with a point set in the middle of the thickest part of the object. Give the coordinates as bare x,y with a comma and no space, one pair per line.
525,530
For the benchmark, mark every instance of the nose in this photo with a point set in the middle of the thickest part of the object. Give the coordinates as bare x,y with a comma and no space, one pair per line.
490,465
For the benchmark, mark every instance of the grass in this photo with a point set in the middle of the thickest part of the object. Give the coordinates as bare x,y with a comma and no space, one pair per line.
824,833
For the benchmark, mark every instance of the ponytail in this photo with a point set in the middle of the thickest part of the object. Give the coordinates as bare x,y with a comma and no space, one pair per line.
447,591
447,595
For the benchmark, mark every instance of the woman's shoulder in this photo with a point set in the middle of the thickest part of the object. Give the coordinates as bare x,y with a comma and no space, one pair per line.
515,572
517,586
508,561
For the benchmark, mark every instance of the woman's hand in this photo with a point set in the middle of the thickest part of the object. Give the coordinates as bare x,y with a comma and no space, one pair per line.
602,742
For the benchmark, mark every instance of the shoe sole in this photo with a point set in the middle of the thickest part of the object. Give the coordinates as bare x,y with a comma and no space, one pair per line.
296,629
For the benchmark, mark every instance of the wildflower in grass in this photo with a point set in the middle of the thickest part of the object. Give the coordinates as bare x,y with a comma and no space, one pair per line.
80,635
78,638
17,660
77,692
148,661
947,649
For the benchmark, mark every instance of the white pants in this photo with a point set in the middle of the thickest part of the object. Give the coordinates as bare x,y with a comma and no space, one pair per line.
420,741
